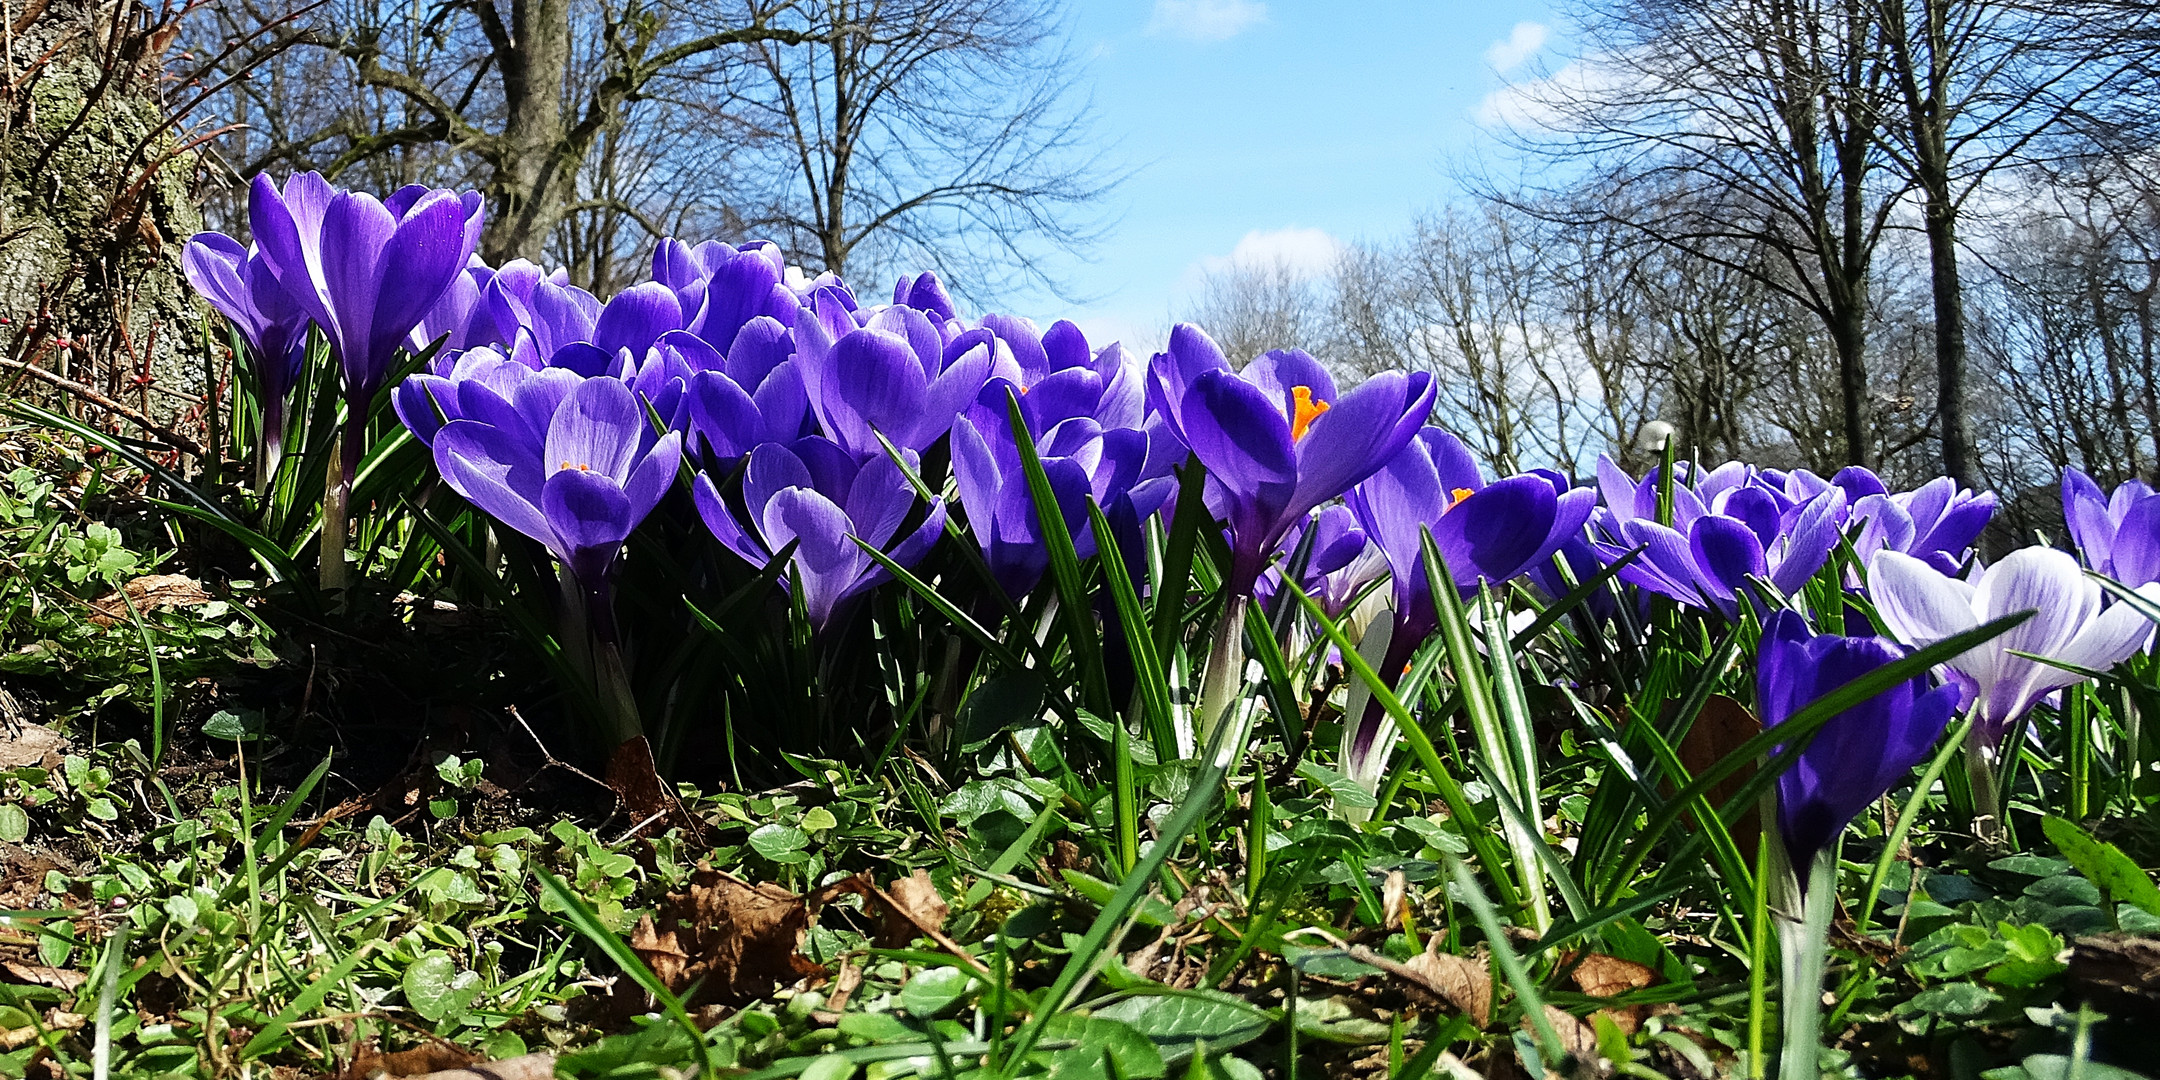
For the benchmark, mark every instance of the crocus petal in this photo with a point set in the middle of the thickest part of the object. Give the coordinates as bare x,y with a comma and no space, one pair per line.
495,472
1362,430
2135,553
590,518
636,318
598,428
827,561
1238,433
1494,534
1729,555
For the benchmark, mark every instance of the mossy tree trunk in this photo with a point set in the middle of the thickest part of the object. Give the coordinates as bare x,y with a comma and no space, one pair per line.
95,205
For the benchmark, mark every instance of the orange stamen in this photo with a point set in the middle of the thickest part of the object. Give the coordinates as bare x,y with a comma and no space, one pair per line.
567,465
1305,411
1455,499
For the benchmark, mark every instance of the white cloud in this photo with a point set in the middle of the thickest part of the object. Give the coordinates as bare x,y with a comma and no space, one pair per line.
1205,20
1521,44
1531,103
1305,252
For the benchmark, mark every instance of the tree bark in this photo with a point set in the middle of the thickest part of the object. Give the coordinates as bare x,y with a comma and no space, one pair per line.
533,184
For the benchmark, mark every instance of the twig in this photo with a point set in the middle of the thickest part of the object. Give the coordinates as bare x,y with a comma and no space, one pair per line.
552,760
172,438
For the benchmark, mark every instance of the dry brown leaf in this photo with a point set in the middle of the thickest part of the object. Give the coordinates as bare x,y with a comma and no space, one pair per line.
420,1060
916,909
540,1066
26,745
1466,983
736,940
60,979
149,593
637,782
1577,1038
1599,975
1722,727
1395,899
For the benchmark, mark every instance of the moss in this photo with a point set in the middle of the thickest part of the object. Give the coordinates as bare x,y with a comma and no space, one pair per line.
68,221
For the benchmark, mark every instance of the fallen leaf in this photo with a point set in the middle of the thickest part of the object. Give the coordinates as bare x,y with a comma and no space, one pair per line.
1599,975
1577,1038
916,910
426,1058
539,1066
1466,983
60,979
635,779
149,593
736,940
1722,727
25,745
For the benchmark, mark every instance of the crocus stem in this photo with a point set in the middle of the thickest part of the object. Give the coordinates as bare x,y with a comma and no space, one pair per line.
590,644
1386,647
1803,925
1219,680
337,500
1980,767
270,451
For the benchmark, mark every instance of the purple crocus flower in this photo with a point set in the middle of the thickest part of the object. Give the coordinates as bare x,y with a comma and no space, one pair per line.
2118,534
1063,378
461,318
818,496
1938,521
1730,527
1276,439
896,374
722,288
924,293
478,383
1080,458
366,271
240,285
1342,561
538,314
1485,532
1921,605
1859,754
573,465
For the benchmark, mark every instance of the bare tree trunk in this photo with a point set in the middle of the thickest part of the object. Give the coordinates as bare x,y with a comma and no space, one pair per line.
1950,354
533,185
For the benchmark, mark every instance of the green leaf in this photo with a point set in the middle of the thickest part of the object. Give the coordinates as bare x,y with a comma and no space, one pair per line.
2104,864
1334,1020
245,725
1175,1022
1955,1001
2058,1067
14,823
437,990
934,990
1345,790
1000,703
1100,1045
777,842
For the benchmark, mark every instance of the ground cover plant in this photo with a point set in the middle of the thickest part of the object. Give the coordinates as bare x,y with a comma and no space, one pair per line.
745,674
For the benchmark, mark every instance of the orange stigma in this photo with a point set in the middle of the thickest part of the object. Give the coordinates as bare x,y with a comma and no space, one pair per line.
1305,411
1455,499
567,465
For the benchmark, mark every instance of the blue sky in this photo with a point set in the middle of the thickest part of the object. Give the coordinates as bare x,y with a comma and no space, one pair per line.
1275,128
